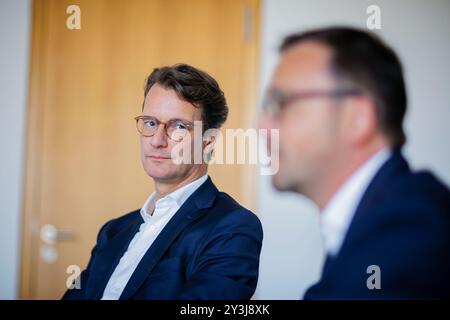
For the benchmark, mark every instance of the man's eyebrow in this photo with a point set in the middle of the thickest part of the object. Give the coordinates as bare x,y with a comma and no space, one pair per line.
171,119
180,119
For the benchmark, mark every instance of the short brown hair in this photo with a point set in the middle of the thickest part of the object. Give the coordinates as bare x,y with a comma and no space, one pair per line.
363,59
195,86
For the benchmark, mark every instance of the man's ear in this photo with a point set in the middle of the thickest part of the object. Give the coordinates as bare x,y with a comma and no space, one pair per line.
361,120
209,141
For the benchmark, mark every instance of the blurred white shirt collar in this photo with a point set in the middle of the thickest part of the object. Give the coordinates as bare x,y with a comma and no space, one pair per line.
336,217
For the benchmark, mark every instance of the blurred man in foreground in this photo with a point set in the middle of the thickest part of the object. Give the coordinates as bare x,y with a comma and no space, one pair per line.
338,98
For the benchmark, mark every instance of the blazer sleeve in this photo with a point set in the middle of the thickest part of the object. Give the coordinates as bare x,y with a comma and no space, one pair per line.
226,266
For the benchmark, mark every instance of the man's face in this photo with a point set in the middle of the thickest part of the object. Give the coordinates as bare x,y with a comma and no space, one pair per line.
156,151
308,127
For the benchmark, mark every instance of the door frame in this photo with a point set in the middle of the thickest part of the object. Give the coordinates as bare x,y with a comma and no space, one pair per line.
33,147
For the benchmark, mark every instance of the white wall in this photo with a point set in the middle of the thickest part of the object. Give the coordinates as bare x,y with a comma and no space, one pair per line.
292,253
14,44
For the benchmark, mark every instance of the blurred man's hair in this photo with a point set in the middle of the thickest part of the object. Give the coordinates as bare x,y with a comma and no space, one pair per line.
194,86
362,59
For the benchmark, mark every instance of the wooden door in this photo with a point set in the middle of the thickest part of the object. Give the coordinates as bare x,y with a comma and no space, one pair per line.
82,160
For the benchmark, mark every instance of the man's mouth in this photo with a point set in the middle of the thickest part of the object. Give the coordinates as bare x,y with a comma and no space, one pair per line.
158,157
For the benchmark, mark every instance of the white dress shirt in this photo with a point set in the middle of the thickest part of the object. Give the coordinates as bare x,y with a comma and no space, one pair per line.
337,215
164,210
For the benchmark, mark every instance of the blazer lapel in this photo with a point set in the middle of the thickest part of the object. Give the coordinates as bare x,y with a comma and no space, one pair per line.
191,210
107,259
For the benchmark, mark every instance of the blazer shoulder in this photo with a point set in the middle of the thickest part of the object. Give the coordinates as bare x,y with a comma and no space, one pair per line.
403,206
228,212
419,193
410,212
228,205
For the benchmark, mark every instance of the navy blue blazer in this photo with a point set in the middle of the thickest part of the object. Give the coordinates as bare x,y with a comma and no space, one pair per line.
208,250
401,225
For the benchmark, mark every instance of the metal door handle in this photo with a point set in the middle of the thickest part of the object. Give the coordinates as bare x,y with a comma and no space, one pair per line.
50,234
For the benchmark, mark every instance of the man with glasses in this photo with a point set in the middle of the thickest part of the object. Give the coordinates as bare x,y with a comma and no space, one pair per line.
338,99
188,241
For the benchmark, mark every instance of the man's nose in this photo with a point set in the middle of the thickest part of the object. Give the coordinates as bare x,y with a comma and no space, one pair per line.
159,139
267,123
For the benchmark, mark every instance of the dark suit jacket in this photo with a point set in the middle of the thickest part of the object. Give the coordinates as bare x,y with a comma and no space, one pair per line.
208,250
401,225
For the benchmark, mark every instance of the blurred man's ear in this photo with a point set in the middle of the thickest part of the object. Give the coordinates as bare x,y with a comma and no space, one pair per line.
359,120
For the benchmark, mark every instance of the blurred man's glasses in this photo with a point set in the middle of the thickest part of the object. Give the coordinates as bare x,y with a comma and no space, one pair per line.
275,101
176,129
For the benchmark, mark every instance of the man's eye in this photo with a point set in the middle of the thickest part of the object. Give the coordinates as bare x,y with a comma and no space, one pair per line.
150,123
180,126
